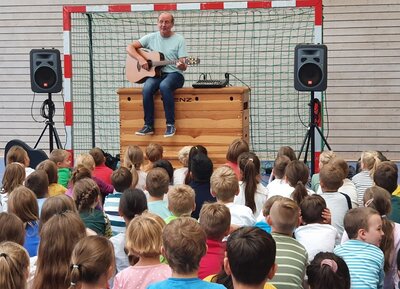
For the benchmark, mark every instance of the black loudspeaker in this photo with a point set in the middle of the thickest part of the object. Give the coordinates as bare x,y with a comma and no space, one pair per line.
46,72
310,67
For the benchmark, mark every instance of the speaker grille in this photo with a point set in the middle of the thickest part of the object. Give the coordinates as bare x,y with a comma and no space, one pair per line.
310,74
45,77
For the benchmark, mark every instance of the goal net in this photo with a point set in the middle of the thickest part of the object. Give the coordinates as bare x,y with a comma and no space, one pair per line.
251,41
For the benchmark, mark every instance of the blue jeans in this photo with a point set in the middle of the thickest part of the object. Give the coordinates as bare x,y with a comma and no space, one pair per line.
167,83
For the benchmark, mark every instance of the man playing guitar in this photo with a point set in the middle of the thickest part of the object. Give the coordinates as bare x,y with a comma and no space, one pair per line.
173,46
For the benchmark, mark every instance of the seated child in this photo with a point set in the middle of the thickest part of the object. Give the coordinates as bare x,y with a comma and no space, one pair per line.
181,202
201,169
225,186
361,253
331,179
86,196
133,160
324,158
328,271
194,150
121,179
92,262
157,183
237,147
143,239
62,159
50,168
215,219
166,165
278,171
183,157
22,202
250,258
291,256
132,203
153,152
183,245
14,264
39,184
315,235
261,220
101,171
14,176
17,154
11,228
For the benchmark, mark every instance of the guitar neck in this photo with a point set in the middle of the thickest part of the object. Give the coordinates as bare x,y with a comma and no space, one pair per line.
163,62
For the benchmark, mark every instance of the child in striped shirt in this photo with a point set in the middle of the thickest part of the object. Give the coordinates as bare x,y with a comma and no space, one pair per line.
362,253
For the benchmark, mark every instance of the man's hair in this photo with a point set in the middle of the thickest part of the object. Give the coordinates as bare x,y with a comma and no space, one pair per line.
311,209
121,179
215,219
280,165
172,16
284,215
98,156
251,254
58,155
386,175
154,152
331,177
237,147
356,219
38,182
224,183
157,182
184,242
201,168
181,200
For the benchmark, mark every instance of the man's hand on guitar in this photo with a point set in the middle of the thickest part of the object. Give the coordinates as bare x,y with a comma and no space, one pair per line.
181,64
144,64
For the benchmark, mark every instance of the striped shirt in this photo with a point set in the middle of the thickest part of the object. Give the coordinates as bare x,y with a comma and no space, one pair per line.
365,262
111,205
362,181
292,259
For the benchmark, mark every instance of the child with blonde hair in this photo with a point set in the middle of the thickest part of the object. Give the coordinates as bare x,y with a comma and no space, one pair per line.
181,202
252,193
364,179
14,266
291,256
50,168
86,196
14,176
143,239
183,157
154,152
324,158
225,186
92,263
215,220
133,160
17,154
62,159
22,202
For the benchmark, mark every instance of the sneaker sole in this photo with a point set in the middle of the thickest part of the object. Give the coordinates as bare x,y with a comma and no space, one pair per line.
143,134
169,135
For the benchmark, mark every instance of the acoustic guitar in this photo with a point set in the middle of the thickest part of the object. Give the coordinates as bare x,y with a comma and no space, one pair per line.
135,73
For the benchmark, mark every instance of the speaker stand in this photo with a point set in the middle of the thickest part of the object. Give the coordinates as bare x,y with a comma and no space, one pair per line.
310,135
53,135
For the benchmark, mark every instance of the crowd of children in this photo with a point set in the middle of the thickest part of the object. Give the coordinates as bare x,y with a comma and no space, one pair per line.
148,225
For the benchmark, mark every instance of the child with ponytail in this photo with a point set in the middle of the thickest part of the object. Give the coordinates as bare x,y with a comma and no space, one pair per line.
92,263
328,271
14,266
251,192
133,160
296,175
86,196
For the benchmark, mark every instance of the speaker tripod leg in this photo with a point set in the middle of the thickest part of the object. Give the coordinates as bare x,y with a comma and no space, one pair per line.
323,138
41,135
306,143
57,138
